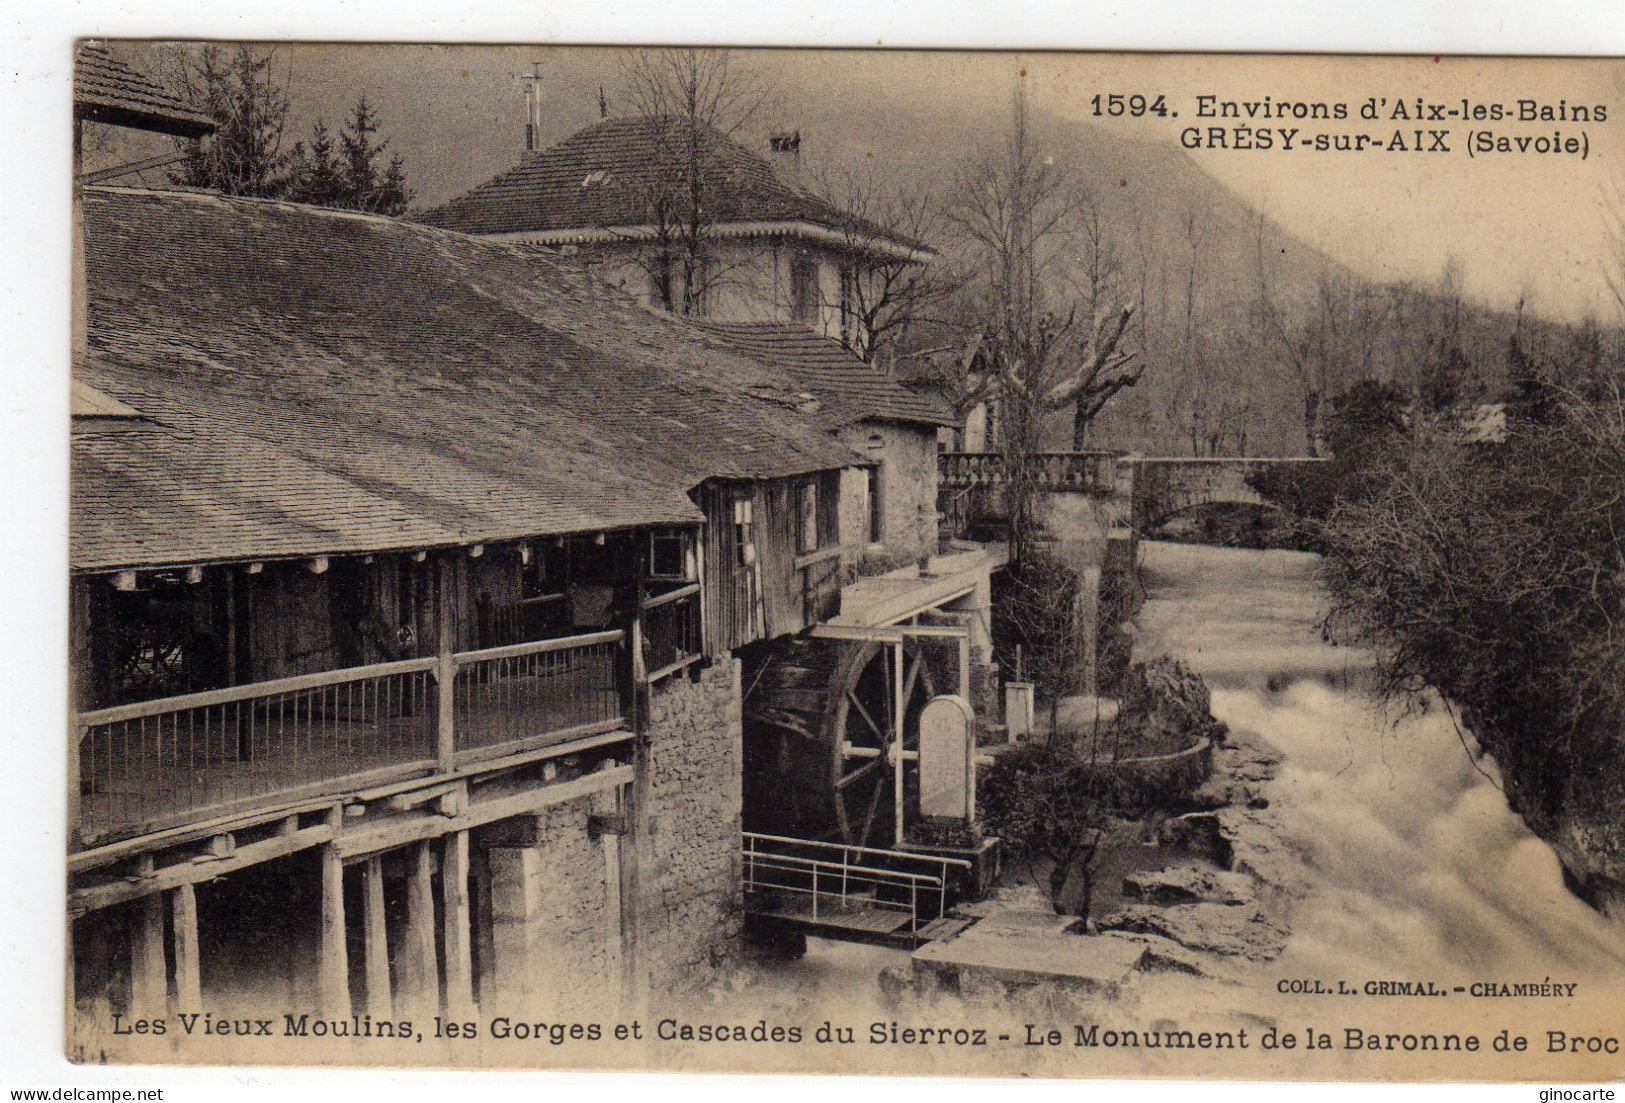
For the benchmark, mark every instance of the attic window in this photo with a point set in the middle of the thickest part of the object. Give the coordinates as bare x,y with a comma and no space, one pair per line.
596,176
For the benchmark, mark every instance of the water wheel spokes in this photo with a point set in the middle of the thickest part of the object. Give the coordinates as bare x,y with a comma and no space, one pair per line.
820,726
880,734
855,776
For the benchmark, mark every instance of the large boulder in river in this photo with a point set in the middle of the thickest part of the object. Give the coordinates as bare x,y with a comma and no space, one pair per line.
1164,702
1212,928
1188,883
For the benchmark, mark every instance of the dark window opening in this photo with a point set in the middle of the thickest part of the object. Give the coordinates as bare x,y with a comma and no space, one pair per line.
668,555
804,289
872,478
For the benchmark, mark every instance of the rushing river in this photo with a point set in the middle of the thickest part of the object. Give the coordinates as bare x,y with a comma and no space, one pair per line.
1402,864
1413,865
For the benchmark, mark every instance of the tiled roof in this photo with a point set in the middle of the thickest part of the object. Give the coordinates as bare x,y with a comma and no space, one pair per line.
602,183
831,371
107,90
86,401
327,382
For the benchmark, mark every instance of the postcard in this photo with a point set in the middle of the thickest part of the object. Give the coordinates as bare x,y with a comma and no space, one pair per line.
847,562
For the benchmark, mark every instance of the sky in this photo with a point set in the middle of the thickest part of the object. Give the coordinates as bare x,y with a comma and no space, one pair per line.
1520,226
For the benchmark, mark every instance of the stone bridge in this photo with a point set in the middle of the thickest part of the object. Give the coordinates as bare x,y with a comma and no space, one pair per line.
1102,492
1161,486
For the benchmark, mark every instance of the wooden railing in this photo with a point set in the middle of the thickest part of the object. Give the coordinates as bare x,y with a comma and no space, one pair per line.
672,631
508,696
145,766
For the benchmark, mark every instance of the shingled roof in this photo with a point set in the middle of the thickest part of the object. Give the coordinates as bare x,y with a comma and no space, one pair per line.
106,90
599,185
318,382
830,370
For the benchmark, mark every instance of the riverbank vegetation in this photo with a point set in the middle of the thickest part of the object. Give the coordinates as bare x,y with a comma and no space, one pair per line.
1481,552
1062,806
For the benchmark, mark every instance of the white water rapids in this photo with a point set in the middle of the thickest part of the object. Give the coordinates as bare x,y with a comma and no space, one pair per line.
1402,864
1414,866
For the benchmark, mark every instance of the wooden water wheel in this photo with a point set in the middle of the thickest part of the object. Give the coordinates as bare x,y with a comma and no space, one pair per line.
818,721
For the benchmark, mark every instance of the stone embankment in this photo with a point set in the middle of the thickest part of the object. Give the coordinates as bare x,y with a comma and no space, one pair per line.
1219,903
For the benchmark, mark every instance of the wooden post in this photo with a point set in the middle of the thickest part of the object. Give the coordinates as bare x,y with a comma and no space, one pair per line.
640,673
516,904
149,983
82,691
332,957
376,943
459,954
897,746
696,573
148,987
188,972
420,976
446,670
479,914
77,734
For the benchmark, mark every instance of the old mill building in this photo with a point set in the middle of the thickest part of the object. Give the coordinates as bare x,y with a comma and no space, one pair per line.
440,616
413,574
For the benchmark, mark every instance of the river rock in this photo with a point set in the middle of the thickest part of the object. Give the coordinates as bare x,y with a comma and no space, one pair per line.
1213,928
1252,837
1163,955
1163,696
1240,770
1198,834
1188,884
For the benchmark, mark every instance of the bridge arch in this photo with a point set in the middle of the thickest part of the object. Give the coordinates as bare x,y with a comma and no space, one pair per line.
1166,486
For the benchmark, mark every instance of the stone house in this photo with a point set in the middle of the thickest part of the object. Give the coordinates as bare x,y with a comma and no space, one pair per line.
781,265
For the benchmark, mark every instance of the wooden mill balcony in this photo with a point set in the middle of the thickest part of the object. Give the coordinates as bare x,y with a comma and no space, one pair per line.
156,764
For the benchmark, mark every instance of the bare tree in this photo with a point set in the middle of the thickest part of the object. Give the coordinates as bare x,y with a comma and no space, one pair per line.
1192,352
1329,342
693,102
893,295
1035,341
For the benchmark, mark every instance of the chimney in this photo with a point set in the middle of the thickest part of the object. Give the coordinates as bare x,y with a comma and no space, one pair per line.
784,154
533,106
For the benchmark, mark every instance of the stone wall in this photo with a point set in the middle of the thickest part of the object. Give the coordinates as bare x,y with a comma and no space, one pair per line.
688,856
1160,780
908,483
549,906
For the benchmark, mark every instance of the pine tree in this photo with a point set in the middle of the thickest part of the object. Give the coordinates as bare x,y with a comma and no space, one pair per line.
365,188
250,106
315,174
346,173
1446,376
1530,400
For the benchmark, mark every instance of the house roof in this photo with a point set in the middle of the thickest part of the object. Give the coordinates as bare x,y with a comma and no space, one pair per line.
321,382
830,370
106,90
86,401
603,183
